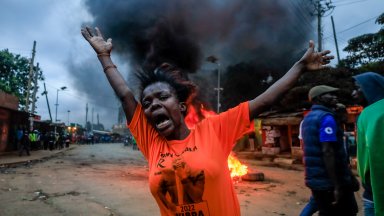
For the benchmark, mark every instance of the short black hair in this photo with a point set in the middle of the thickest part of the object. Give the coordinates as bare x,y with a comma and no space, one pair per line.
172,75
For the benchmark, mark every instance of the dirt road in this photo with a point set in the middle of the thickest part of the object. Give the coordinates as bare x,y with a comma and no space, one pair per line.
109,179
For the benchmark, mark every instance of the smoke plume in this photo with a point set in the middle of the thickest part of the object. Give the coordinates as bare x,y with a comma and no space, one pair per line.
263,33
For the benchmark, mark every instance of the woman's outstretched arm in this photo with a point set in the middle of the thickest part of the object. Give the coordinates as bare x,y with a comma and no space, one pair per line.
103,50
310,61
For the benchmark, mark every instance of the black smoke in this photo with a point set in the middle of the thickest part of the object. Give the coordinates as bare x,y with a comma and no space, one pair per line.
268,35
184,32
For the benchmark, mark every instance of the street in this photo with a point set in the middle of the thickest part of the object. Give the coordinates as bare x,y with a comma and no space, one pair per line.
110,179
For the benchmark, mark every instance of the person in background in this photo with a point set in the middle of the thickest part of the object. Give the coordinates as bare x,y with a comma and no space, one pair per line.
51,141
44,140
311,207
19,136
327,171
60,141
25,144
31,137
369,93
341,117
67,140
56,138
188,168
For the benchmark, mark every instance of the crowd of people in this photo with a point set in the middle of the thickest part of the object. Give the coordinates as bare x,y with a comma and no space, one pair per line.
35,140
328,172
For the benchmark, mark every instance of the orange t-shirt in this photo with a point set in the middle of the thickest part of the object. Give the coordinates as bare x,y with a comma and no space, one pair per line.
191,176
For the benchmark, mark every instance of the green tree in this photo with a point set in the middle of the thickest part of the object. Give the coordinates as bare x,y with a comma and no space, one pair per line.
366,48
341,78
14,73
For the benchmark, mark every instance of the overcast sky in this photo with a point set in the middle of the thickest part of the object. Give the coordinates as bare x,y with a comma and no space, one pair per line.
55,25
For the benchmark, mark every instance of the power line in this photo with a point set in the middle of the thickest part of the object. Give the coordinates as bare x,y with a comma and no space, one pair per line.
347,29
340,1
321,7
67,92
375,17
349,3
299,28
300,7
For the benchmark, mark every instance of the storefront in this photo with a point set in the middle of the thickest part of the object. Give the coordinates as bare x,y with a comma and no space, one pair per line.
279,132
10,120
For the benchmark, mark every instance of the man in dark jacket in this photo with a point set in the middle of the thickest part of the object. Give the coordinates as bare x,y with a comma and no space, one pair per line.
370,140
25,144
327,173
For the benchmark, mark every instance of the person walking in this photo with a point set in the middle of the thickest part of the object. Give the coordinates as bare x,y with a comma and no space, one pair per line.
341,117
188,168
25,144
327,171
369,93
51,141
19,136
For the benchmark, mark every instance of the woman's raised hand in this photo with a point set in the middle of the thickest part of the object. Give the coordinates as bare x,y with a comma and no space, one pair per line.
312,60
97,41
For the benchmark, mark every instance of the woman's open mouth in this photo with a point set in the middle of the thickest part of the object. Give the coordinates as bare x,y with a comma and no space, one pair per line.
162,122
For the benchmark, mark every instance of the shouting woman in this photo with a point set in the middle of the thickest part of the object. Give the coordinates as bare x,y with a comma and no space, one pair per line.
188,170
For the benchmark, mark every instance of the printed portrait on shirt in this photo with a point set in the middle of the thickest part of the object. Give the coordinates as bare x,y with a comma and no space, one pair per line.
180,187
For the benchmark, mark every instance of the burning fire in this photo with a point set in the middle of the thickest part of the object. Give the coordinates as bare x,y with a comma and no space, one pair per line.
193,117
235,167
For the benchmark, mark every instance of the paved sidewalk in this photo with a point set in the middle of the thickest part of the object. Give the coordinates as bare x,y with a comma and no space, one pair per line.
13,158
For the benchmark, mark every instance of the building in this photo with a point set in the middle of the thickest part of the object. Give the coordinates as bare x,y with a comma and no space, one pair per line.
277,133
10,120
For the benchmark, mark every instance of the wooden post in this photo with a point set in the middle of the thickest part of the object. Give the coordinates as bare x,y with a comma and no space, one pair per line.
46,97
35,88
334,36
30,77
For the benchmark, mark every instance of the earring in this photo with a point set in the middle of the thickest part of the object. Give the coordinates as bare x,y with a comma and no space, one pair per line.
183,107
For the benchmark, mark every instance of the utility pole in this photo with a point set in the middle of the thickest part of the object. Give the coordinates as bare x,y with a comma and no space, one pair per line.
46,97
92,121
334,36
30,77
213,59
218,89
33,96
35,88
321,7
319,31
57,100
86,116
68,116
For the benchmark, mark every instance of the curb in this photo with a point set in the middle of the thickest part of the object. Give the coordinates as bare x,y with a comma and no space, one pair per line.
25,161
271,161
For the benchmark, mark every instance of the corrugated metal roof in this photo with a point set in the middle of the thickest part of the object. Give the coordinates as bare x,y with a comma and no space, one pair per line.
276,118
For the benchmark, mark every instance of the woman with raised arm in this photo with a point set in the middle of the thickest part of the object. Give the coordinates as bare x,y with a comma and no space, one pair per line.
188,170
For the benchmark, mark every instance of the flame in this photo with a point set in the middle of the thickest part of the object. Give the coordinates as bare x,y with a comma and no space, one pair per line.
235,167
193,117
